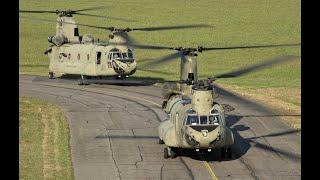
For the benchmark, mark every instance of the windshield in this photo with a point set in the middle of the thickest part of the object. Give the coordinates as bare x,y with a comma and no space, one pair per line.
192,120
203,120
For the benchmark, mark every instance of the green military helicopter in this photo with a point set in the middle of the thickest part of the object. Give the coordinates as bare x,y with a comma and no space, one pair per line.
73,54
194,119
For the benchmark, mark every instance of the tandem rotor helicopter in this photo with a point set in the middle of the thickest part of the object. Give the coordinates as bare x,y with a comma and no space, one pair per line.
73,54
194,119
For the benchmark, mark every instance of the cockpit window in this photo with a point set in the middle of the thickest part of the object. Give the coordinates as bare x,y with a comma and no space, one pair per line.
192,120
116,55
124,55
203,119
213,119
130,55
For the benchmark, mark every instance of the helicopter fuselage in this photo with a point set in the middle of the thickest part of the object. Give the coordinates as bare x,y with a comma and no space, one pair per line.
92,60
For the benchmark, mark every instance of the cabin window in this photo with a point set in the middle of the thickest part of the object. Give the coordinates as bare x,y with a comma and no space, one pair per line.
78,56
76,32
88,56
98,58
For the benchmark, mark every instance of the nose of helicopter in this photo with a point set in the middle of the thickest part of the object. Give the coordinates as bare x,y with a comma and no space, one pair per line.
202,136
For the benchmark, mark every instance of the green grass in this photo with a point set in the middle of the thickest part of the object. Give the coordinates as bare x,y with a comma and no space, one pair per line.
236,22
43,141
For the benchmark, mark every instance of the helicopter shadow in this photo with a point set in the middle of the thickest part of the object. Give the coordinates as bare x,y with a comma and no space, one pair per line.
130,81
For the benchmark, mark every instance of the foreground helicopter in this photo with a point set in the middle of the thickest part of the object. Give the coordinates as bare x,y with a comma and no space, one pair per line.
71,53
194,119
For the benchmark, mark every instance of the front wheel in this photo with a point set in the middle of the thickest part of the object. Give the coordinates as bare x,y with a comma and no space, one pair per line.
50,75
165,153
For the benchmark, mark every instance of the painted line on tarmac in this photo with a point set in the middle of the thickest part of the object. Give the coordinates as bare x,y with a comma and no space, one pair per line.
208,167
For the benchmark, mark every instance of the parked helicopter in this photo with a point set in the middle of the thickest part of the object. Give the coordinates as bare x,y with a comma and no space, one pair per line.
71,53
194,119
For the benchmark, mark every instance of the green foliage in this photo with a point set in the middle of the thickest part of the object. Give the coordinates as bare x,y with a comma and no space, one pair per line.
236,23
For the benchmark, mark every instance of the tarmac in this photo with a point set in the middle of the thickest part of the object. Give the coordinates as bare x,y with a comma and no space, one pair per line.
114,135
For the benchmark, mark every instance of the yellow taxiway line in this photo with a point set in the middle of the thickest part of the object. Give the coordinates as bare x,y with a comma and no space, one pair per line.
208,167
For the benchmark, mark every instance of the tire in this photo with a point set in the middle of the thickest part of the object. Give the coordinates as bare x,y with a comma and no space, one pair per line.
165,153
161,141
50,75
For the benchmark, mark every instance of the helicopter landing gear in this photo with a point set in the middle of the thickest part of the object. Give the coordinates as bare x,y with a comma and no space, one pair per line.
168,152
161,141
51,75
226,152
83,80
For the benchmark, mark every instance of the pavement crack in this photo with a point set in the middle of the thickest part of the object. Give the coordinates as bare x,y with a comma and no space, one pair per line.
112,156
141,158
161,171
188,169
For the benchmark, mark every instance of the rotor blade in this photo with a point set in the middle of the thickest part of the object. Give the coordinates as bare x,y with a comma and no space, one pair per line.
287,154
85,25
251,47
256,67
27,11
164,59
109,17
91,8
171,27
142,46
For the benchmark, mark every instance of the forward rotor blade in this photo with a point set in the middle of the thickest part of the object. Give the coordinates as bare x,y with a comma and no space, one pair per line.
256,67
27,11
109,17
171,27
164,59
251,47
91,8
142,46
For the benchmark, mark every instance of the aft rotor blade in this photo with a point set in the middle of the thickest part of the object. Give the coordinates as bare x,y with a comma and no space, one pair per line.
250,47
46,20
256,67
27,11
277,134
160,28
164,59
109,17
